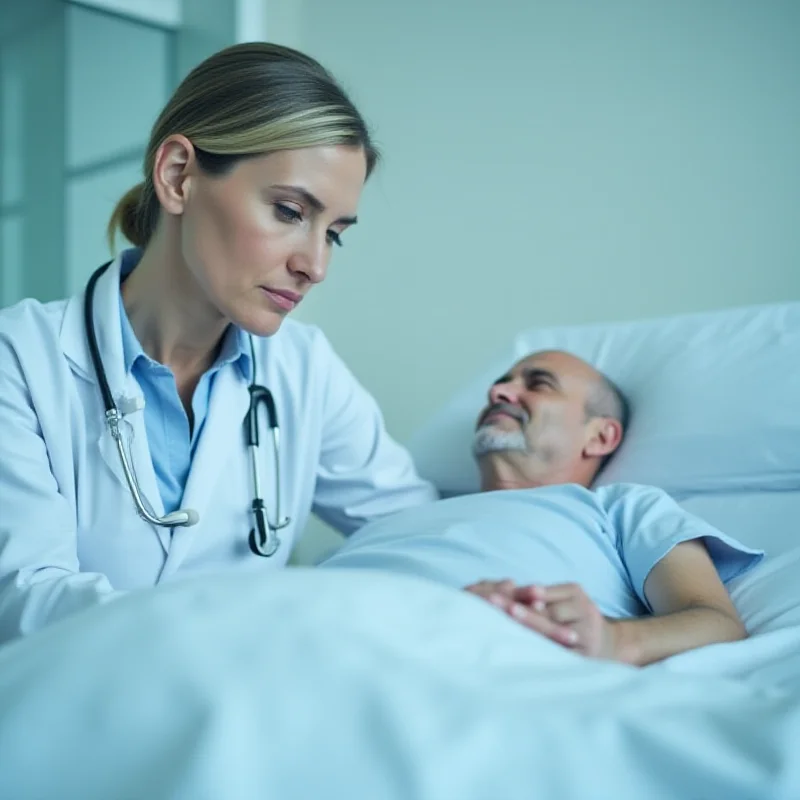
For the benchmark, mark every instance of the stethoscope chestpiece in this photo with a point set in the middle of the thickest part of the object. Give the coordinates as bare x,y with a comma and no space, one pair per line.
263,538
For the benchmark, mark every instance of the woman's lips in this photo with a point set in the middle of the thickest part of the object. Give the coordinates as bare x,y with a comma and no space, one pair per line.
282,298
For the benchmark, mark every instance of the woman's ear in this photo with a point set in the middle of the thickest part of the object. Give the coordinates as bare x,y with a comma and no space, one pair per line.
605,436
172,169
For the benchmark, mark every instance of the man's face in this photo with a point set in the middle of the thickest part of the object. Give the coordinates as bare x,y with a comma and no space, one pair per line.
537,411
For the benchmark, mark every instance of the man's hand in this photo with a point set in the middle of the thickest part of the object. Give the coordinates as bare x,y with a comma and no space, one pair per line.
691,608
562,612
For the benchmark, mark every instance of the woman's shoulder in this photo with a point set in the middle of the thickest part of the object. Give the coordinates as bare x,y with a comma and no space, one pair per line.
31,356
28,323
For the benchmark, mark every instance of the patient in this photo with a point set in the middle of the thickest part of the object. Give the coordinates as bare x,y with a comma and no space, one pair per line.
620,572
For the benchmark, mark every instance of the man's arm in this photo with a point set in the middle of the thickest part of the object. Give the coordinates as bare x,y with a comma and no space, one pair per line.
691,608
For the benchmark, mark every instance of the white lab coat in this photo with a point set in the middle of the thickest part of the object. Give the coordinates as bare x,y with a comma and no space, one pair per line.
69,534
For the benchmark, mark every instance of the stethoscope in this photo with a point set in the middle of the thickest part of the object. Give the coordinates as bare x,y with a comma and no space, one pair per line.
263,538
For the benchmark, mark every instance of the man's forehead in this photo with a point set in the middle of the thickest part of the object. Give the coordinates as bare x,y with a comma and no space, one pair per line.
558,362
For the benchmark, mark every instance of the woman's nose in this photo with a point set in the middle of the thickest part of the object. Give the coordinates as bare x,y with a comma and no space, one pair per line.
311,262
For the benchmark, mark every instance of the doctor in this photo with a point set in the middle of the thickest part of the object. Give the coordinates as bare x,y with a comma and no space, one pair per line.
124,458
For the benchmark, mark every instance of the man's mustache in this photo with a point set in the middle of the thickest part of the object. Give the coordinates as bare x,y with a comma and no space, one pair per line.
518,413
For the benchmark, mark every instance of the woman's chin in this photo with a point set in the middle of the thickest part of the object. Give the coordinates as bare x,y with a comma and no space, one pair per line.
263,324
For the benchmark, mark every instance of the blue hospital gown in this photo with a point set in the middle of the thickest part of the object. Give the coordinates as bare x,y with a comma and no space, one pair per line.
607,540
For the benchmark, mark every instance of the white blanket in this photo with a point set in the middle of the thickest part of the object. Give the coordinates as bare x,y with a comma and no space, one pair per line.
336,684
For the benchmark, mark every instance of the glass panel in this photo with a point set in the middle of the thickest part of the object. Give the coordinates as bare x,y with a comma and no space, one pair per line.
10,126
10,259
118,72
90,201
158,12
41,59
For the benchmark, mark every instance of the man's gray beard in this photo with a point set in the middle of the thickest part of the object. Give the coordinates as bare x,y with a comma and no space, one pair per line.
491,440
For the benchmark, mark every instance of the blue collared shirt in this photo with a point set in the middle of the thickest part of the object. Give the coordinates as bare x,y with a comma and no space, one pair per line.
172,443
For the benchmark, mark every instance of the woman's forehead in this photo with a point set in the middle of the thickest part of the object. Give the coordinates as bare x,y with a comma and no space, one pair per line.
332,175
342,164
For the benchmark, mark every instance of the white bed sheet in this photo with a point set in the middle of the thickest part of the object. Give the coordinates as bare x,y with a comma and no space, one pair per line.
348,684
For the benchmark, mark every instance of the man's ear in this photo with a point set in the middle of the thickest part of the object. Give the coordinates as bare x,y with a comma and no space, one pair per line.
604,437
174,161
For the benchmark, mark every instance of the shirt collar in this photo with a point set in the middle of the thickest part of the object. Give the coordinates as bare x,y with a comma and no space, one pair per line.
236,350
235,344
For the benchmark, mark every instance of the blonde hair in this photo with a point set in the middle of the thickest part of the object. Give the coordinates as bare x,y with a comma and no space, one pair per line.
249,99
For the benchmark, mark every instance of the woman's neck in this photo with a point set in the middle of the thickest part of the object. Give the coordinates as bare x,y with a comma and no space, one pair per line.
174,323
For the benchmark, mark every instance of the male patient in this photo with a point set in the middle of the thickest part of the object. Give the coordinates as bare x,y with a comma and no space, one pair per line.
620,572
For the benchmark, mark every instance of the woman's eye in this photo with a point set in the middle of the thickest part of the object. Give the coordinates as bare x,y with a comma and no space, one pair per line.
287,213
334,238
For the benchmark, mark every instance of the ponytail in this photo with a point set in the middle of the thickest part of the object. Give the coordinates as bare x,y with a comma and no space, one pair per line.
127,218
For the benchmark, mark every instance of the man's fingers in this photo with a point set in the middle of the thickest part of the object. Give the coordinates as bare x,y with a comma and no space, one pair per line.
527,594
558,592
487,588
501,601
530,596
542,624
523,605
498,593
505,586
549,597
566,612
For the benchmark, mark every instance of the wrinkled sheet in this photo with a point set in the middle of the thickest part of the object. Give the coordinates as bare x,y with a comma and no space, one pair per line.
349,684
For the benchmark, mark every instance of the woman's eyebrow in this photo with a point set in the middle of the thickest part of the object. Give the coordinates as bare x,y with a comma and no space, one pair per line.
313,201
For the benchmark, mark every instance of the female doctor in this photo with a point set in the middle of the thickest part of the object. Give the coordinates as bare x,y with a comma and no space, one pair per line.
169,420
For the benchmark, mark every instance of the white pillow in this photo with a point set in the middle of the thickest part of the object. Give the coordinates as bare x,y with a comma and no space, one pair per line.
768,521
715,400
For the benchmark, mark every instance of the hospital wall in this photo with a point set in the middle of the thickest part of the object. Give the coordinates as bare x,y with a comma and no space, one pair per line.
547,163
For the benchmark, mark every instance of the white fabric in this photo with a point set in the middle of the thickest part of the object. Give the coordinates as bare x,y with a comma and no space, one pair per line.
766,520
69,534
768,597
344,684
715,397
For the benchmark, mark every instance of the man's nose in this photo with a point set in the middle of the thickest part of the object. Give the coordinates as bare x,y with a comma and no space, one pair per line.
507,392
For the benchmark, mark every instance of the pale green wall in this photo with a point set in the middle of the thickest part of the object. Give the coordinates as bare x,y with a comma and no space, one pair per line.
551,162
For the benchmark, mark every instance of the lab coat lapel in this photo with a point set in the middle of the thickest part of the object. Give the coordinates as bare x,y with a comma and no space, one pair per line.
124,388
221,440
106,326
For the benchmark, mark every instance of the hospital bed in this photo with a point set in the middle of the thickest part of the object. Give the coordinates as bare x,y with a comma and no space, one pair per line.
348,684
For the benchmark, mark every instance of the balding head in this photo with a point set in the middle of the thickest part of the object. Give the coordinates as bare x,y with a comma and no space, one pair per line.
553,418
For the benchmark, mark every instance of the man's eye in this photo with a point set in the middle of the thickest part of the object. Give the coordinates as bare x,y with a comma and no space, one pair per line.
287,213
